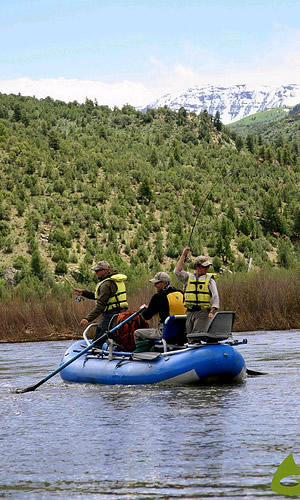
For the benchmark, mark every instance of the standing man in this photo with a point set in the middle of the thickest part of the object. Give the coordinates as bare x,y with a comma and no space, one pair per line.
167,300
201,296
110,296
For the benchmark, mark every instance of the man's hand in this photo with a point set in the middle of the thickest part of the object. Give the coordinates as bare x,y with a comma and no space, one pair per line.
84,322
186,250
212,312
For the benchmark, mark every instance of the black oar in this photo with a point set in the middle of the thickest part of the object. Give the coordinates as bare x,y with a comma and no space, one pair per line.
61,367
253,373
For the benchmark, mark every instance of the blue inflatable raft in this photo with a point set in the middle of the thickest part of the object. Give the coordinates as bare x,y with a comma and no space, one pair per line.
203,359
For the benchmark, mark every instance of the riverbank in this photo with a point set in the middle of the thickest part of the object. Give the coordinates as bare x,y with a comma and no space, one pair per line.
267,300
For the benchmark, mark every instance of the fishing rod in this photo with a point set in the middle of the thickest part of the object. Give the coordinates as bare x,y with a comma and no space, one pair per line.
207,196
78,298
66,279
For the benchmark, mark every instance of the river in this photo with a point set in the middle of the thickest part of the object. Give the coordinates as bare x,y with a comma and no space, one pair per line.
148,442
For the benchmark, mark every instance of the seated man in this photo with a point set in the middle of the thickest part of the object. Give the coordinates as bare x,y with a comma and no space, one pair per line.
166,301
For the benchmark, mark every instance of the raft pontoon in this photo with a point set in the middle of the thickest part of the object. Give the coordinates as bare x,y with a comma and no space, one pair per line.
199,358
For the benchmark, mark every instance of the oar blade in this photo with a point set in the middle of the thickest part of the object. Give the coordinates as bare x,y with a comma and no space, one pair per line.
27,389
253,373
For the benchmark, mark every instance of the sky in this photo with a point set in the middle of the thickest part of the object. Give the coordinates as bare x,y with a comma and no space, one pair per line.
135,51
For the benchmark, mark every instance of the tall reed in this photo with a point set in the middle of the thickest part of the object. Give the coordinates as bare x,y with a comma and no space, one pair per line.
266,300
52,318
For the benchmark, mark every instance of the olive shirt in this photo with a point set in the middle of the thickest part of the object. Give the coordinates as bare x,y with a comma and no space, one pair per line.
105,291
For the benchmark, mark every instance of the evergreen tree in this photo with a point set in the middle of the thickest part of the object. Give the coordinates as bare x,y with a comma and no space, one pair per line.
36,263
53,140
145,191
250,143
154,158
217,121
239,143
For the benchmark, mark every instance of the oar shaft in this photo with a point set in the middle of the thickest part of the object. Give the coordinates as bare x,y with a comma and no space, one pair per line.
92,344
67,363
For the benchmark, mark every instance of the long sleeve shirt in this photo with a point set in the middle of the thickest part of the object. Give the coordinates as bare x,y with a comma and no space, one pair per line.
106,290
159,304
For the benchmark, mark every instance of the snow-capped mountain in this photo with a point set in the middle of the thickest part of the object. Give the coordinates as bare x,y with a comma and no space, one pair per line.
233,103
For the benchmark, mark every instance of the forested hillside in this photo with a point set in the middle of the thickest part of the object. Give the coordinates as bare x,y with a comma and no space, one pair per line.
273,126
258,122
80,183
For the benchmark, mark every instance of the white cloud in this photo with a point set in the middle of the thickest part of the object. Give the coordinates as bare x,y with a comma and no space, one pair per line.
111,94
277,64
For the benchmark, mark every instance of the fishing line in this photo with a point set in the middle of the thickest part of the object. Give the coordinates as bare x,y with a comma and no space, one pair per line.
78,298
207,196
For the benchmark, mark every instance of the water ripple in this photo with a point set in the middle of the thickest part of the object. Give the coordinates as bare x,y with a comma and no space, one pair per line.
80,441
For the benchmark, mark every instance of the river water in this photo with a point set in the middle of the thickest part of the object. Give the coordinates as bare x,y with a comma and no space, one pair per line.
148,442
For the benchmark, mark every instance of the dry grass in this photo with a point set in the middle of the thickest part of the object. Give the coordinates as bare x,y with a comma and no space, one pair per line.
50,318
262,301
40,319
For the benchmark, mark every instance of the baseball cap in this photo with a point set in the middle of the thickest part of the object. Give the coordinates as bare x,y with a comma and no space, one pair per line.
160,277
101,265
201,260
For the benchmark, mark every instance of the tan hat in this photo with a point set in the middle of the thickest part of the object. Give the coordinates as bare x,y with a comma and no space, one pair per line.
161,277
101,265
201,260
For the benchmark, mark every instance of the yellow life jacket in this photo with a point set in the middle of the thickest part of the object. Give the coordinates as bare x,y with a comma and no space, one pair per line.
119,299
214,275
176,305
175,300
197,292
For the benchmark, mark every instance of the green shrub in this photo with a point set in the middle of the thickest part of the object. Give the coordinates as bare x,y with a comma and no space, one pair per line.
61,267
240,265
284,254
217,263
245,244
4,293
20,262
